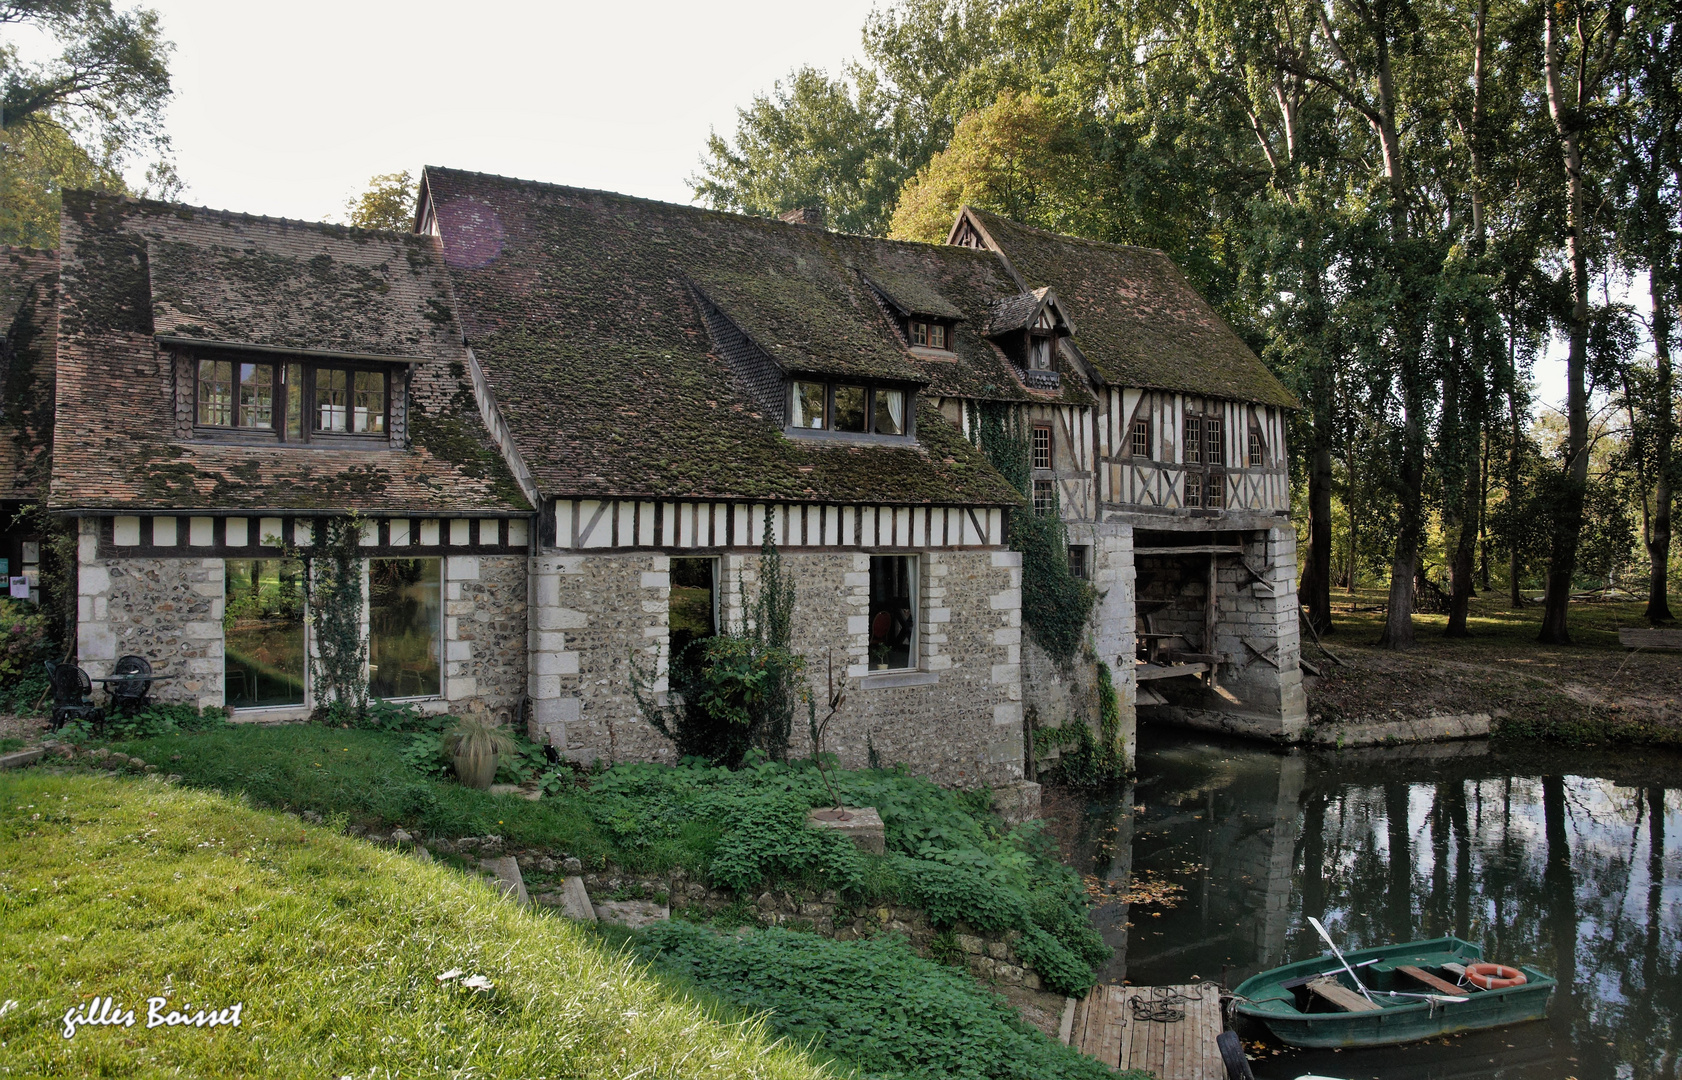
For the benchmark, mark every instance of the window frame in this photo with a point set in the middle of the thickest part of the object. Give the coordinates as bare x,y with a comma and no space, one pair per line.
281,366
441,627
1257,457
1048,504
1141,432
920,333
871,388
1034,447
1080,566
914,583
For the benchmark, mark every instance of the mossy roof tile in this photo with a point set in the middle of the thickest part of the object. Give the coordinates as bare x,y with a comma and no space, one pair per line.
578,306
28,316
117,443
1139,321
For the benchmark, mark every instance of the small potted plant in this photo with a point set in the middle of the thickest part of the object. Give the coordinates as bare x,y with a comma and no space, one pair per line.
474,746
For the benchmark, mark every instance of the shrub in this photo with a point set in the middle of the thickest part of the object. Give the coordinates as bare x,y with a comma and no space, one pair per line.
873,1003
164,719
25,642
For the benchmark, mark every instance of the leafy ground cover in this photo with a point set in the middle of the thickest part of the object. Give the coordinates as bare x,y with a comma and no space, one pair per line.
744,828
1588,692
332,947
873,1003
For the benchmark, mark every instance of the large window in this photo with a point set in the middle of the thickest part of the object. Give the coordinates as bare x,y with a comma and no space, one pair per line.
348,401
263,655
849,407
692,614
893,612
405,609
1045,496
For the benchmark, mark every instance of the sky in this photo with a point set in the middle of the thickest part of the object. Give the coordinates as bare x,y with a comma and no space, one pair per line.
288,109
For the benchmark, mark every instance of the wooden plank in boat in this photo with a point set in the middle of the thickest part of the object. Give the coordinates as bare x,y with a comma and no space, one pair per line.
1330,990
1420,975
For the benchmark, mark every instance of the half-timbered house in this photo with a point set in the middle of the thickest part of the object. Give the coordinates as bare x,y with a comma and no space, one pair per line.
566,419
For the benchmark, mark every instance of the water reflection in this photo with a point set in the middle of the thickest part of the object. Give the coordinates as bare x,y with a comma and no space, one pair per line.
1557,859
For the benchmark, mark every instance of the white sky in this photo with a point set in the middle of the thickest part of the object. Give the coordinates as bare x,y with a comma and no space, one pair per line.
288,109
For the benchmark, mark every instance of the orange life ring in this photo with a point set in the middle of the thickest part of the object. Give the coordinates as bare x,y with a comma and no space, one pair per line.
1494,976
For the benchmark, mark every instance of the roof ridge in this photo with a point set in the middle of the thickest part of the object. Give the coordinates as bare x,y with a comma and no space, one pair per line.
687,207
271,219
1069,237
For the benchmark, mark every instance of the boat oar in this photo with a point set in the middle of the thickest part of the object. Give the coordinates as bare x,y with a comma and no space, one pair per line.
1359,985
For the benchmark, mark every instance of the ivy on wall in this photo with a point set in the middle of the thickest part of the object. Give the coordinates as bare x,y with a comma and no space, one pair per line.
333,597
1055,604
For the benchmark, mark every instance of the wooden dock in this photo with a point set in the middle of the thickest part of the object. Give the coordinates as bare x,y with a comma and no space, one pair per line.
1109,1027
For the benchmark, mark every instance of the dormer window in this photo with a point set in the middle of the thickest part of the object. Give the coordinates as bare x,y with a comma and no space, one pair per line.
848,408
295,402
929,335
1039,352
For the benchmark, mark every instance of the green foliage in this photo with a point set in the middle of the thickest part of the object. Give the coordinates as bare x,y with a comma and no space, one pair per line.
26,641
743,827
164,719
815,141
75,120
735,692
850,999
388,203
1086,761
332,582
1056,605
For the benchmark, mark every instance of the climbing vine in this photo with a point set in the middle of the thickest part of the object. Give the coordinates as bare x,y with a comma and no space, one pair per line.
1055,604
1086,760
333,597
737,691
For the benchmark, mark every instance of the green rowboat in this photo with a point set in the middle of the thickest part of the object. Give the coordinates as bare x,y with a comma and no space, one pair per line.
1315,1003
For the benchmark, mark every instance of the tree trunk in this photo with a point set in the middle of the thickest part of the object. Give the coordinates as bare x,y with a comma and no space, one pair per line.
1658,539
1514,562
1317,570
1568,513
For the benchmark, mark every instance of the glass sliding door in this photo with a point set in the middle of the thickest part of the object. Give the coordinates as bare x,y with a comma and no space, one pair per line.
264,658
693,615
405,610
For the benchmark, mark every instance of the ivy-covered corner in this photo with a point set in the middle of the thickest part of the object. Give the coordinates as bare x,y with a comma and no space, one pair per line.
1082,722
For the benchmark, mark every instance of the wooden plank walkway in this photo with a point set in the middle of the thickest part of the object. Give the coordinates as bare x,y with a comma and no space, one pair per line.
1106,1028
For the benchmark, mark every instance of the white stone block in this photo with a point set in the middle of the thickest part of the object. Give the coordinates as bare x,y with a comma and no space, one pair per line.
544,686
1007,558
458,650
856,580
1006,673
555,663
939,615
125,531
1006,601
1007,715
656,579
560,618
548,641
92,580
1007,635
202,631
452,590
461,568
938,663
457,689
858,624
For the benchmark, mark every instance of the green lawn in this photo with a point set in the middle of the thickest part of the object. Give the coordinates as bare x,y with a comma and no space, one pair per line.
133,889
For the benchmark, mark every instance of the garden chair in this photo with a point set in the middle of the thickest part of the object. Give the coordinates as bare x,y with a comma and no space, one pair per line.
71,695
128,692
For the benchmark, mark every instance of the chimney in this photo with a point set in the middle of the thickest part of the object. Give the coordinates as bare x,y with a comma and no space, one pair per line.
805,215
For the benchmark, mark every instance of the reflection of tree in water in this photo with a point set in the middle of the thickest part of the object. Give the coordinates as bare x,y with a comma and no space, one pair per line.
403,613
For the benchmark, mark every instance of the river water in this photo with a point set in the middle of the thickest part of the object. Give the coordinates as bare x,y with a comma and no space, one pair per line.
1569,860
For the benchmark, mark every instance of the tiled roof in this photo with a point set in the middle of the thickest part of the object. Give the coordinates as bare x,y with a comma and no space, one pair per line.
1140,322
27,319
1014,312
581,307
233,277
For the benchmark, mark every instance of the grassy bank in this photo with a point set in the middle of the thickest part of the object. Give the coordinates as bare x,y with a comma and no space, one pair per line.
132,889
947,851
1589,692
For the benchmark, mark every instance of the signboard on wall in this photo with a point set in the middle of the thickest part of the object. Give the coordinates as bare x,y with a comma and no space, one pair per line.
20,588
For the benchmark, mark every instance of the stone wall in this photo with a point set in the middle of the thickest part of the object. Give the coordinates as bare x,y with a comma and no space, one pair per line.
167,610
958,719
485,634
590,614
